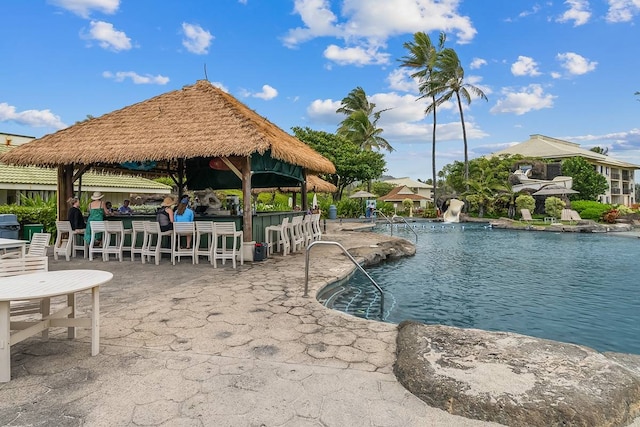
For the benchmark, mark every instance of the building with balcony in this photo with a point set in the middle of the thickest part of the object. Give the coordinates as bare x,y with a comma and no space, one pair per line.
619,174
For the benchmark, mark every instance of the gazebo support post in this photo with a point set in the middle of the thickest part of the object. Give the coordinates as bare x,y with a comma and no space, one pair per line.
65,189
247,212
303,192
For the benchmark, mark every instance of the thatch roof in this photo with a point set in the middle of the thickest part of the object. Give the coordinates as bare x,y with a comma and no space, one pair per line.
195,121
314,184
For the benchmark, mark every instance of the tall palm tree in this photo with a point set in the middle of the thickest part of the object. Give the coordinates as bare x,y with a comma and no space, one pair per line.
423,56
448,80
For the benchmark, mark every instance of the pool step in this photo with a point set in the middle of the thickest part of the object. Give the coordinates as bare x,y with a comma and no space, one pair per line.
364,303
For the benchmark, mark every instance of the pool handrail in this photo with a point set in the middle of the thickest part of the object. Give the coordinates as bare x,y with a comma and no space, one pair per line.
395,217
376,211
328,242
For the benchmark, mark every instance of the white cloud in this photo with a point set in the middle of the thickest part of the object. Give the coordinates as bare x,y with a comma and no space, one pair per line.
267,93
365,29
578,12
83,8
400,108
35,118
575,64
476,81
525,66
196,39
400,79
355,55
108,37
526,99
324,111
618,142
555,75
136,78
477,63
220,86
622,10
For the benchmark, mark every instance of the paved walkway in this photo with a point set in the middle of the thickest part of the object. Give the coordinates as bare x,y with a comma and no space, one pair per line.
189,345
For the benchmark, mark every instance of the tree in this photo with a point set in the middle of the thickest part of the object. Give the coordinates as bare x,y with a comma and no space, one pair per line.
351,162
360,126
423,57
600,150
448,80
586,180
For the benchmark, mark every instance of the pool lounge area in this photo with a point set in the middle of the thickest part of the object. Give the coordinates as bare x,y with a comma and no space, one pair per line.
190,345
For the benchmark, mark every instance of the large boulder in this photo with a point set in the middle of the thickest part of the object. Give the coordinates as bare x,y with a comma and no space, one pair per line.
516,380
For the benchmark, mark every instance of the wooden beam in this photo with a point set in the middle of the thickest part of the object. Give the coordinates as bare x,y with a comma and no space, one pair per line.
233,168
303,192
247,213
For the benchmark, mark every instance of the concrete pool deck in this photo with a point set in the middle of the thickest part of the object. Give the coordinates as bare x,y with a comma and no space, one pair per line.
189,345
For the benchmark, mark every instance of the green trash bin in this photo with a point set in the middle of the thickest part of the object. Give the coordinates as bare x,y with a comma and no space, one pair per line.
29,229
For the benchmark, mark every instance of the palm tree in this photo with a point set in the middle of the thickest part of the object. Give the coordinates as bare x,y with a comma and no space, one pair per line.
448,80
363,132
356,101
423,56
358,126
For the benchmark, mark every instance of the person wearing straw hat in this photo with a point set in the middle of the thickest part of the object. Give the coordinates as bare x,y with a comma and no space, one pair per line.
97,212
164,215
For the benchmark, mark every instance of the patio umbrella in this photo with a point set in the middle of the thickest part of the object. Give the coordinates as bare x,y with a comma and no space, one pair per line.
553,190
314,203
363,195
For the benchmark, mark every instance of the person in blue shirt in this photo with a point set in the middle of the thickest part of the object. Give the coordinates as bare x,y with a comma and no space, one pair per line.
184,214
125,209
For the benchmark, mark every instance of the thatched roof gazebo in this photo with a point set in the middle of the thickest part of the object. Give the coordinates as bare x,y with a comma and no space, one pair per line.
199,135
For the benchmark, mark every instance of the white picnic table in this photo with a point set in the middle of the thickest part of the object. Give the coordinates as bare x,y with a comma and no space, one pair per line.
43,285
13,244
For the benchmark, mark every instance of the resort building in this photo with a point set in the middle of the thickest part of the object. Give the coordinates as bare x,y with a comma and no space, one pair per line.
416,187
619,174
32,181
399,194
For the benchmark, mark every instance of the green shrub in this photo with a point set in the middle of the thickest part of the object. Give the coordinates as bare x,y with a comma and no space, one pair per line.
582,205
350,208
593,213
553,206
525,201
42,214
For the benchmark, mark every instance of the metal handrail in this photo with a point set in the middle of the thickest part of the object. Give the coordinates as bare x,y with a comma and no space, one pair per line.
327,242
394,217
385,217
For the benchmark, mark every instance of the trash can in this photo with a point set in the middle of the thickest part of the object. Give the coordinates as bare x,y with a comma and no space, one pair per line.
9,226
333,212
29,229
260,252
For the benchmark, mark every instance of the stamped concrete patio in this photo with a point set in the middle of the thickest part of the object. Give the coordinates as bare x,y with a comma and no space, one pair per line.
189,345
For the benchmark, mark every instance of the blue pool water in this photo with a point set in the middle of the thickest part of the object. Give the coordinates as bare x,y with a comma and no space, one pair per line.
581,288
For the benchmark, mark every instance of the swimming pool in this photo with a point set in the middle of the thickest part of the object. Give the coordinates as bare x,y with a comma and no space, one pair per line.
581,288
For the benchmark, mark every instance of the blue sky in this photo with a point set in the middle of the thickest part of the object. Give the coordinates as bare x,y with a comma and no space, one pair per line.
565,69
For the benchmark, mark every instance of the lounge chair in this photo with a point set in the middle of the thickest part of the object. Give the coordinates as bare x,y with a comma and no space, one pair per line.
526,216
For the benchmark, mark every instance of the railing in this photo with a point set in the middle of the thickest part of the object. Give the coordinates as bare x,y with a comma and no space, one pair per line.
326,242
385,217
615,191
615,176
394,219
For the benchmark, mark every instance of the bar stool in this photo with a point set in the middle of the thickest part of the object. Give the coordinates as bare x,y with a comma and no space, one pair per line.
97,229
137,228
220,251
295,233
64,240
315,225
278,235
182,229
307,230
203,229
79,245
152,246
113,242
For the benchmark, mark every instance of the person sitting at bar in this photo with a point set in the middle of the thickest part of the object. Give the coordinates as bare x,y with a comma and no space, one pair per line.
74,214
125,209
184,214
164,215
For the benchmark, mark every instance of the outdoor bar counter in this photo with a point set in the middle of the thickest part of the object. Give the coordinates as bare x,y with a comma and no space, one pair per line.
260,220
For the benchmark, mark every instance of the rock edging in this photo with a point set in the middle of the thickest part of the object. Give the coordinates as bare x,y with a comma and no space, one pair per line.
515,379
